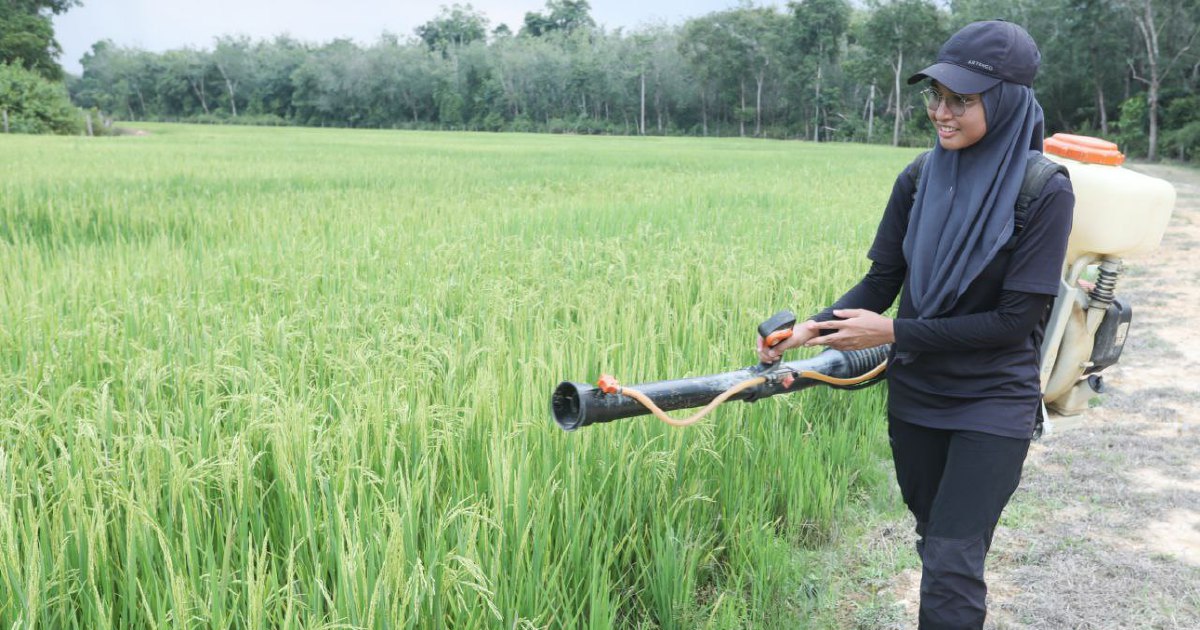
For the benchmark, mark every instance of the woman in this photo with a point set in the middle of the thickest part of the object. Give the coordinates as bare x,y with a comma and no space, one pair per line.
963,386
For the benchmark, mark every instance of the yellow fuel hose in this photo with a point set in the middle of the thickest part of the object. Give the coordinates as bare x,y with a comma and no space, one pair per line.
609,385
662,415
844,382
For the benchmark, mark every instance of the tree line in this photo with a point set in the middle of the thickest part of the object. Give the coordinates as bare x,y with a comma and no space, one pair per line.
821,70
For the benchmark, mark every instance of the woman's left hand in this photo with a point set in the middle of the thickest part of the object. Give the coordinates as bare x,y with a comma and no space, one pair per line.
858,329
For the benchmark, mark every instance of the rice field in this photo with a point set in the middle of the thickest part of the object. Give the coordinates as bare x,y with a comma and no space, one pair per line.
300,378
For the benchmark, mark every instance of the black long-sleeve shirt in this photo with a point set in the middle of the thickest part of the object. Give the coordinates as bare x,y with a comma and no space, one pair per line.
1016,315
975,368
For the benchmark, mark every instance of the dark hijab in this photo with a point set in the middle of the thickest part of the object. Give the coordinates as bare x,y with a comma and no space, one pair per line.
963,211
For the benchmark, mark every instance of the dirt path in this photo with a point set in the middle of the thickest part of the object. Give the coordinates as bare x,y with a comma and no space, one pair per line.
1104,532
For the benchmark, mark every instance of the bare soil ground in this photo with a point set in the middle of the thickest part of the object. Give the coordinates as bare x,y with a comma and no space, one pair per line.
1104,531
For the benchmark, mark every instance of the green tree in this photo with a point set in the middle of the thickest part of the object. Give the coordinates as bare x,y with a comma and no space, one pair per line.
119,80
183,85
700,45
276,62
454,27
673,82
401,81
542,78
1167,31
30,103
739,48
759,33
561,16
234,63
27,35
903,35
816,33
1182,117
1083,48
329,87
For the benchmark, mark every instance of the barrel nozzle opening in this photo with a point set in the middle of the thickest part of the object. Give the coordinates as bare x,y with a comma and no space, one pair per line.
566,405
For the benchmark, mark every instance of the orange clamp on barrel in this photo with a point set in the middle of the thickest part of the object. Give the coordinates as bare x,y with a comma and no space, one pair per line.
776,337
608,384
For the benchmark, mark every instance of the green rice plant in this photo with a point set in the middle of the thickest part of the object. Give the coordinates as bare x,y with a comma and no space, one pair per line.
299,378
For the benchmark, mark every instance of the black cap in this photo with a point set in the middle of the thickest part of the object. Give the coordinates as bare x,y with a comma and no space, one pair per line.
982,54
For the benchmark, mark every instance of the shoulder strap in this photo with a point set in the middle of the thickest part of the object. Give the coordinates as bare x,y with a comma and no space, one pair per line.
1038,171
913,170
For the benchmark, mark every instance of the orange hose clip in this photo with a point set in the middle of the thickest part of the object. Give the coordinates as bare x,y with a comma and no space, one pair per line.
608,384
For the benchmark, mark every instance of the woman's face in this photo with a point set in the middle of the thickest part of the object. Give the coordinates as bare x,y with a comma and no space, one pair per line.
956,131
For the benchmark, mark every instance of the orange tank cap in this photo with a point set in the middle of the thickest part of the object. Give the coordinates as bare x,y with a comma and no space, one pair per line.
1084,149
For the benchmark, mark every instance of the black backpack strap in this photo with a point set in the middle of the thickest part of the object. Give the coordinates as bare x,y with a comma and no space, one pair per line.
1038,171
913,170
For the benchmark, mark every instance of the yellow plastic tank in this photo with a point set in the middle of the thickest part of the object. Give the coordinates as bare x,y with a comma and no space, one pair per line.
1118,212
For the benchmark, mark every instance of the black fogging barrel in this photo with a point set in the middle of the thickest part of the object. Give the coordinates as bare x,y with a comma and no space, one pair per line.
577,405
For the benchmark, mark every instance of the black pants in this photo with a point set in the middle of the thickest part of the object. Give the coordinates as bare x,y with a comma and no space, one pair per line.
956,483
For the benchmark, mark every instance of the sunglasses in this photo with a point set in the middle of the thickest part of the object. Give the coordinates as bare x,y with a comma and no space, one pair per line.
956,103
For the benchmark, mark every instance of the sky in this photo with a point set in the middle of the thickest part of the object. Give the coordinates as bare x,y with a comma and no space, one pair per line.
158,25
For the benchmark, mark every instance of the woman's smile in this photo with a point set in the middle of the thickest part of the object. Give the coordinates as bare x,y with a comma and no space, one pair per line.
946,131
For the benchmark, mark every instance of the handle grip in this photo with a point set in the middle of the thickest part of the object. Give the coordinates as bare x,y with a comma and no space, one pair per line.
773,339
777,328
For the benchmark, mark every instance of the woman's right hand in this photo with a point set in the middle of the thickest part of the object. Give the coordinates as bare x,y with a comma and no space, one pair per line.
801,333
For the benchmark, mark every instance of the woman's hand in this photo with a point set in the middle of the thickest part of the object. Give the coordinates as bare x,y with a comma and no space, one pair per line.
858,329
801,333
